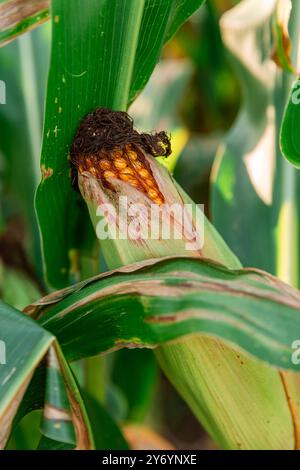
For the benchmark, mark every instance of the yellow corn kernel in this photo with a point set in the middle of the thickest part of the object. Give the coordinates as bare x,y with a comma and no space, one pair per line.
132,155
130,179
117,154
144,173
152,193
150,182
93,171
120,163
127,171
137,165
158,200
104,165
109,174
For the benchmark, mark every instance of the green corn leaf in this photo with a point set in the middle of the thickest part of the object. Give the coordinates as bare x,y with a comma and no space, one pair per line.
117,310
50,444
290,139
122,43
100,433
24,344
57,420
16,288
21,129
26,434
65,418
249,308
138,382
19,16
107,434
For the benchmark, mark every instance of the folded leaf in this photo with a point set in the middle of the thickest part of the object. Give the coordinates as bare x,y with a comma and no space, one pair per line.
24,344
158,301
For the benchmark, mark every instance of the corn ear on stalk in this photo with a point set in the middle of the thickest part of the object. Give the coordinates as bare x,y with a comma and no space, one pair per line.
240,401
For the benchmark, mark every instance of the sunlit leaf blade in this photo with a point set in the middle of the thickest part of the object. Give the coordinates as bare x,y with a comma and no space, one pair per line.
23,345
16,288
242,178
122,42
248,308
19,16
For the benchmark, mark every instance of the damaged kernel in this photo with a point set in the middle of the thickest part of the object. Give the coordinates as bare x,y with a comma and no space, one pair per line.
104,165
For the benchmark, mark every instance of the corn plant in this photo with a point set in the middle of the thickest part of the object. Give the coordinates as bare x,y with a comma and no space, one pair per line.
215,303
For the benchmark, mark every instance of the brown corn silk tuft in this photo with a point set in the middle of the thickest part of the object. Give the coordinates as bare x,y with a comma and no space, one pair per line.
107,146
